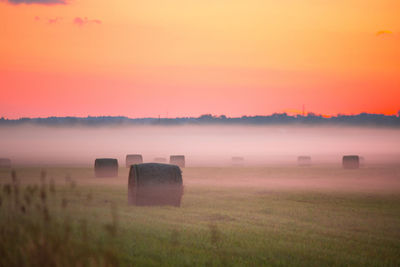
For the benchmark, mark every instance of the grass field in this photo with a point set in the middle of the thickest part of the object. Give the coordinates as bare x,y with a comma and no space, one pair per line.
230,216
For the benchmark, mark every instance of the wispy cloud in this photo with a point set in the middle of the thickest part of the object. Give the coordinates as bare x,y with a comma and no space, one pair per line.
383,32
41,2
53,20
77,21
83,21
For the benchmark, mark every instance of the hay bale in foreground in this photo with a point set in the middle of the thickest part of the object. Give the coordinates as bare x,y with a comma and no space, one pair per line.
160,160
351,162
5,163
155,184
133,159
178,160
106,167
304,161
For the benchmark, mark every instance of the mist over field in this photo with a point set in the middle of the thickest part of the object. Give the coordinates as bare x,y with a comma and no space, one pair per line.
202,145
264,210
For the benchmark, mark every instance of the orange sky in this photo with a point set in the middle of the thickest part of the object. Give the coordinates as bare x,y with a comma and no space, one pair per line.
188,57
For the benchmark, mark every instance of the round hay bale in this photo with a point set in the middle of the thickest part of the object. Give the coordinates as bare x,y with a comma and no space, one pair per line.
5,163
160,160
106,167
155,184
178,160
304,161
133,159
351,162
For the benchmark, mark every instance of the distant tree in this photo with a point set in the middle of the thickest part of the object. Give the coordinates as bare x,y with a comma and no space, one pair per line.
206,117
360,119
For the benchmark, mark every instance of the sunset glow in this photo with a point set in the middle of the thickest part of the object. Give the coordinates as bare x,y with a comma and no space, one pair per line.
185,58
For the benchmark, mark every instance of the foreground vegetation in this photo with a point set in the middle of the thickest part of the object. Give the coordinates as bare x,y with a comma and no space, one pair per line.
65,217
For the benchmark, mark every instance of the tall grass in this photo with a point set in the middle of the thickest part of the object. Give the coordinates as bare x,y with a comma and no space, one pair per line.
38,229
58,223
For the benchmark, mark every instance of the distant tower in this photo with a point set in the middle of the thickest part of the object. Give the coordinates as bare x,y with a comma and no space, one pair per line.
303,110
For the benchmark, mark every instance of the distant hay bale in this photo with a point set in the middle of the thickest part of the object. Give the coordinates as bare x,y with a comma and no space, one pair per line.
160,160
351,162
304,160
237,161
155,184
5,163
133,159
178,160
106,167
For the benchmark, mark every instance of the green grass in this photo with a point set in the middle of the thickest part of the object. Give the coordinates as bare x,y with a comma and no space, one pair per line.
90,224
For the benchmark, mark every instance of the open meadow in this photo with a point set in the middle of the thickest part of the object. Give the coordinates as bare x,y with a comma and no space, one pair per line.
276,215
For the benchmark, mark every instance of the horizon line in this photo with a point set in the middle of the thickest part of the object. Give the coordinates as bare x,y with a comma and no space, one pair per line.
208,115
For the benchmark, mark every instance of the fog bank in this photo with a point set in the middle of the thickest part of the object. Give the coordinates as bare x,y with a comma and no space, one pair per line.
202,145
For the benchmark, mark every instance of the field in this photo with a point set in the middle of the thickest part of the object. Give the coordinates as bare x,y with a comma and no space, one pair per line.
230,216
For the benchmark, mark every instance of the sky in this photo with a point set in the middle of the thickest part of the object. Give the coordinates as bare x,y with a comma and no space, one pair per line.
181,58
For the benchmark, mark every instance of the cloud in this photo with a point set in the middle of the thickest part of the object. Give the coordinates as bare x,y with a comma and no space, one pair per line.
383,32
41,2
83,21
53,21
80,21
